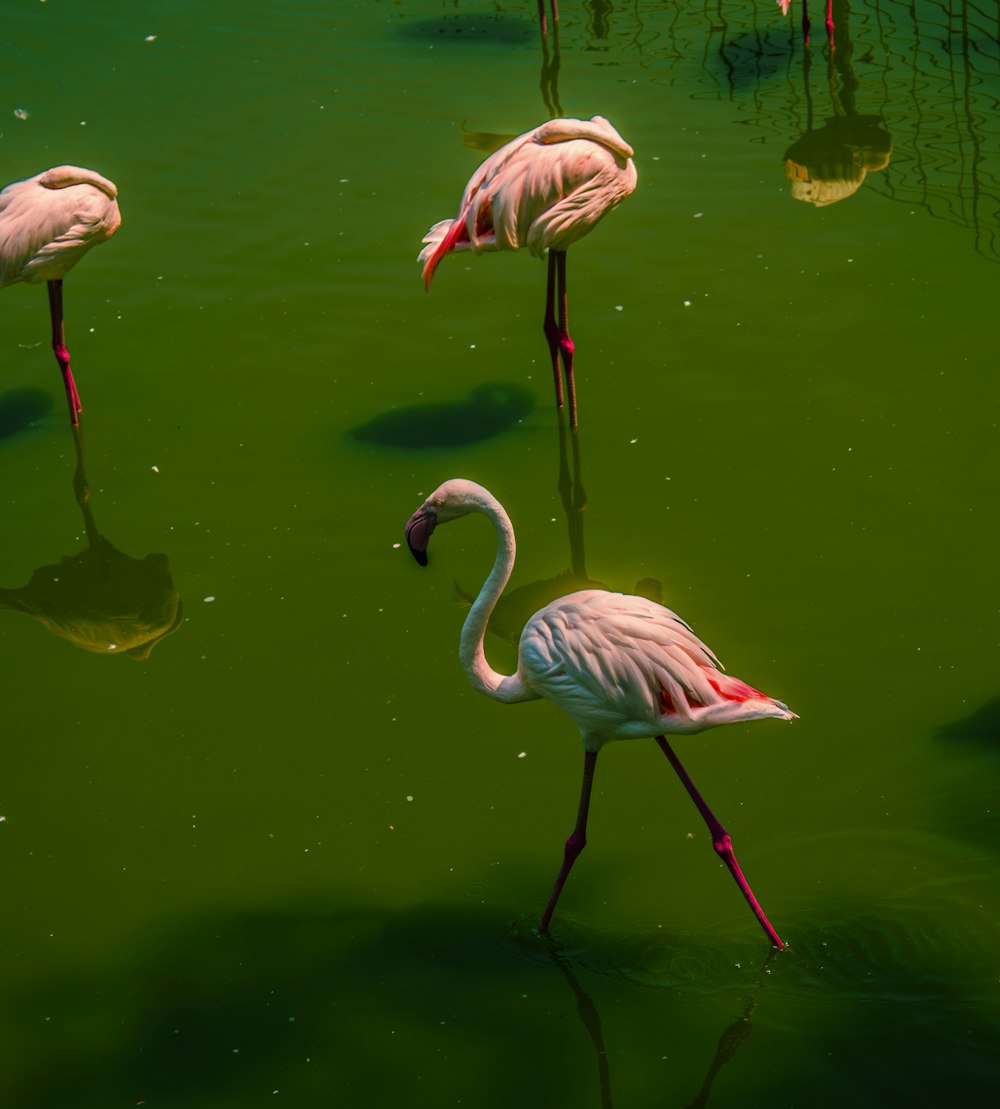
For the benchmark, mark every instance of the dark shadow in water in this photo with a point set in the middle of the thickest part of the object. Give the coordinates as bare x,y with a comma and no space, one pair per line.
488,411
21,408
101,600
461,27
328,1004
981,726
371,1007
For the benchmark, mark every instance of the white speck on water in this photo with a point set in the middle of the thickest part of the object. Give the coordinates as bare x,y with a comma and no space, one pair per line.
209,599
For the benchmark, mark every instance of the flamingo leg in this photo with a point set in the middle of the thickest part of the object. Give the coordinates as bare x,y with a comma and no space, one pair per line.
60,351
721,842
829,21
556,327
577,840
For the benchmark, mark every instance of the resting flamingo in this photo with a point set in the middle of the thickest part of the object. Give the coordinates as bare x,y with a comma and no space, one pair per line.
543,190
621,667
47,223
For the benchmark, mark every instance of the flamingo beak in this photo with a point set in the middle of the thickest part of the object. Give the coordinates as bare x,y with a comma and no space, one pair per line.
418,532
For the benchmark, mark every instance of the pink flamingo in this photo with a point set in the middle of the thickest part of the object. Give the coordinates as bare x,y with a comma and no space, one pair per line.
784,5
621,667
543,190
47,223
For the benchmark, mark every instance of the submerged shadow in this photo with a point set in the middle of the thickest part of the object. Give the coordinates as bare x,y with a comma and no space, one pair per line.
21,408
369,1005
980,726
462,27
101,599
488,410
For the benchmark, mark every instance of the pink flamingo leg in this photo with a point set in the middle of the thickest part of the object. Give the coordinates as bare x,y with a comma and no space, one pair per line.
577,840
721,842
60,351
561,346
829,21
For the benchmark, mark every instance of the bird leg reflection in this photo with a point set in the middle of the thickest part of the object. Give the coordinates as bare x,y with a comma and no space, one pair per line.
577,840
541,15
549,82
729,1043
556,327
574,499
591,1020
721,842
60,351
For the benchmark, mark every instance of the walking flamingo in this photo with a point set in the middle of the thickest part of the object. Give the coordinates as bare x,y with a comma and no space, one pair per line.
543,190
621,667
47,223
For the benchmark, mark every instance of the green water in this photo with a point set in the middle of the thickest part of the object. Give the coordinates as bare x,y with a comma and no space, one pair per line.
291,857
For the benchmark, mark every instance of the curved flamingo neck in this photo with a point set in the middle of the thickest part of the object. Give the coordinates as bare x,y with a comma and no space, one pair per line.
471,652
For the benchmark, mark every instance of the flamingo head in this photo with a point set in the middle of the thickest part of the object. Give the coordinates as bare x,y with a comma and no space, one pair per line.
448,502
418,531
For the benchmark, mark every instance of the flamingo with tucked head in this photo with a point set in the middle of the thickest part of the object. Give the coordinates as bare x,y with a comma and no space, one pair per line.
543,190
621,667
47,224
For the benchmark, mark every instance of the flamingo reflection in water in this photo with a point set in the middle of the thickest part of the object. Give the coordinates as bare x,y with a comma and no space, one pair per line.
101,599
543,23
621,667
543,190
47,223
828,164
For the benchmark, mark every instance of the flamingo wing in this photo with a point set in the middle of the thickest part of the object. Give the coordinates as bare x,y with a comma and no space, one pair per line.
624,667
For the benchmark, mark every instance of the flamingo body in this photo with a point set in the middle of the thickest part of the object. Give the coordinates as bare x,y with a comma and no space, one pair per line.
543,190
620,666
624,667
47,223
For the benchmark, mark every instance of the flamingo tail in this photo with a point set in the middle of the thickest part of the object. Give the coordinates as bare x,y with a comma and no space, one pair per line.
442,238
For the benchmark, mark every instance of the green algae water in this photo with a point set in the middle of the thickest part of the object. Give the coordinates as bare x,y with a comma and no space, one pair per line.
282,853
